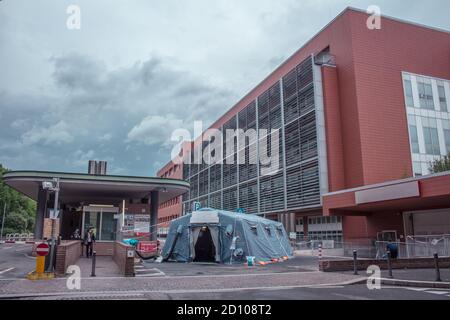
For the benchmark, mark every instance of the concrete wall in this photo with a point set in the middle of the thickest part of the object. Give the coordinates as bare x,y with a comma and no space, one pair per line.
68,253
347,265
125,263
102,248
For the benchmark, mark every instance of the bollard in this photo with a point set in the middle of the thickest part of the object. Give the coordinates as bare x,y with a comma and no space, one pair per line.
355,258
388,253
436,264
94,254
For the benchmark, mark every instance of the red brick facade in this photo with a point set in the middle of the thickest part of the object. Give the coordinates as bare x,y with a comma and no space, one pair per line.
365,118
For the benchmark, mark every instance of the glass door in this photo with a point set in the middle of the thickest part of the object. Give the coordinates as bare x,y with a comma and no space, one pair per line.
103,220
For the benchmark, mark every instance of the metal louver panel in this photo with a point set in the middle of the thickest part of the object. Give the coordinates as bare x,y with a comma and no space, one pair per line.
272,193
303,185
215,177
248,196
203,182
194,186
215,200
230,199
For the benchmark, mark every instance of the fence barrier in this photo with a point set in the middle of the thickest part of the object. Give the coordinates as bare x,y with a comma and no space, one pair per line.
413,247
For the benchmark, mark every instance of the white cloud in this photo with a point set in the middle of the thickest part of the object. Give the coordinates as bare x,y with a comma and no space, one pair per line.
106,137
154,130
56,134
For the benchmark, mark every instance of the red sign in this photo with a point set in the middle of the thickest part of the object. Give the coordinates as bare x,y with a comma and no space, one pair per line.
42,249
147,246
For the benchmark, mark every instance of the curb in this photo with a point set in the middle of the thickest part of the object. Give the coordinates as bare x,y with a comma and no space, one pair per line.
415,283
19,242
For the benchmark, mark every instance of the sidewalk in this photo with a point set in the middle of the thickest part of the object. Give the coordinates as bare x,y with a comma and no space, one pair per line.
417,278
104,267
425,278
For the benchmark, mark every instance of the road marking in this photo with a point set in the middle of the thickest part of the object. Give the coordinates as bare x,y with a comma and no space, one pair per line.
170,291
417,289
438,292
6,270
325,287
6,248
351,297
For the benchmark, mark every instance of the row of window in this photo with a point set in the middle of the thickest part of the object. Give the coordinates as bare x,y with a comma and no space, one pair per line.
170,203
320,220
425,91
168,218
171,171
430,134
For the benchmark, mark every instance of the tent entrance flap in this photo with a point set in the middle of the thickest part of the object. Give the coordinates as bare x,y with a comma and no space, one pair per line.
205,250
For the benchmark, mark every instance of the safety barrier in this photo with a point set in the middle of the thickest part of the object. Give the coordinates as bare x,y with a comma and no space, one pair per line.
365,249
414,247
19,238
417,249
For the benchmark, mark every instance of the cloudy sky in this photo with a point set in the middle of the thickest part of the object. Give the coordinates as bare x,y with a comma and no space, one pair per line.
136,70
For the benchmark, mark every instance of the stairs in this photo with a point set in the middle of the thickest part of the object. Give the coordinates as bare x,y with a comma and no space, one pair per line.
141,270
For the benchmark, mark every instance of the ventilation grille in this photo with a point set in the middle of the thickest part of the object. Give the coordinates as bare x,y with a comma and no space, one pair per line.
271,193
230,199
303,185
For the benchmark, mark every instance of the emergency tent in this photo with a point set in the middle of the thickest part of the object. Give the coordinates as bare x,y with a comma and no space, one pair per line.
210,235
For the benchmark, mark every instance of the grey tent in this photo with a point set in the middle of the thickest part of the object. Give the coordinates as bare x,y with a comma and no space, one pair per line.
210,235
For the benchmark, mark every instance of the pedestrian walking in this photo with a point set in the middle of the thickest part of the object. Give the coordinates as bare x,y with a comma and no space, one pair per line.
89,240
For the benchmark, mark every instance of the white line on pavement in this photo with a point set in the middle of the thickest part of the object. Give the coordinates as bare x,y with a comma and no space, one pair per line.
438,292
173,291
6,270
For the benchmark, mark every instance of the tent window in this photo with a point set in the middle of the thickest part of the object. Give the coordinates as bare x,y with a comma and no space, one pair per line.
254,229
280,231
229,230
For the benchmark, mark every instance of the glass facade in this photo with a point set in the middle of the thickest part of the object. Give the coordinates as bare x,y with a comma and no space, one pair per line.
102,221
288,107
428,119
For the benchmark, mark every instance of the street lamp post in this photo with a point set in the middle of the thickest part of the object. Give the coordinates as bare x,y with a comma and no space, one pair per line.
3,221
53,186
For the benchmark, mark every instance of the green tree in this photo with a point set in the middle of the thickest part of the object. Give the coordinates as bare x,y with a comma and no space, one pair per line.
21,211
440,165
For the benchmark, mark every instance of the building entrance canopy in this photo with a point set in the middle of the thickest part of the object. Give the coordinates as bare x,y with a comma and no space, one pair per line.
85,189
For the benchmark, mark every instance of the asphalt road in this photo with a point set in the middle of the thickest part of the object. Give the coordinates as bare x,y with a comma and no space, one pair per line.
15,260
296,279
350,292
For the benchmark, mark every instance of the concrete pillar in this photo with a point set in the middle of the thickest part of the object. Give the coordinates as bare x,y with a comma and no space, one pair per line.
154,203
41,207
292,221
285,222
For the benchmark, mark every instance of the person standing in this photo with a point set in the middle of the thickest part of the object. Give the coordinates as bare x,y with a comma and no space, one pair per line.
89,239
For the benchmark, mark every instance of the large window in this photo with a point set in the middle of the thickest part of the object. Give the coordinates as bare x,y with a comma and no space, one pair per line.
413,134
431,137
442,98
425,94
408,93
446,127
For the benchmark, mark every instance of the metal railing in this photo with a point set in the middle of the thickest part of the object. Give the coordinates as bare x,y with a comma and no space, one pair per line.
336,248
418,246
19,236
414,247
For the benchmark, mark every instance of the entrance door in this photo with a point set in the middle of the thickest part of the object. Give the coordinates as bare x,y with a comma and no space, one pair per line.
102,220
430,222
205,251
